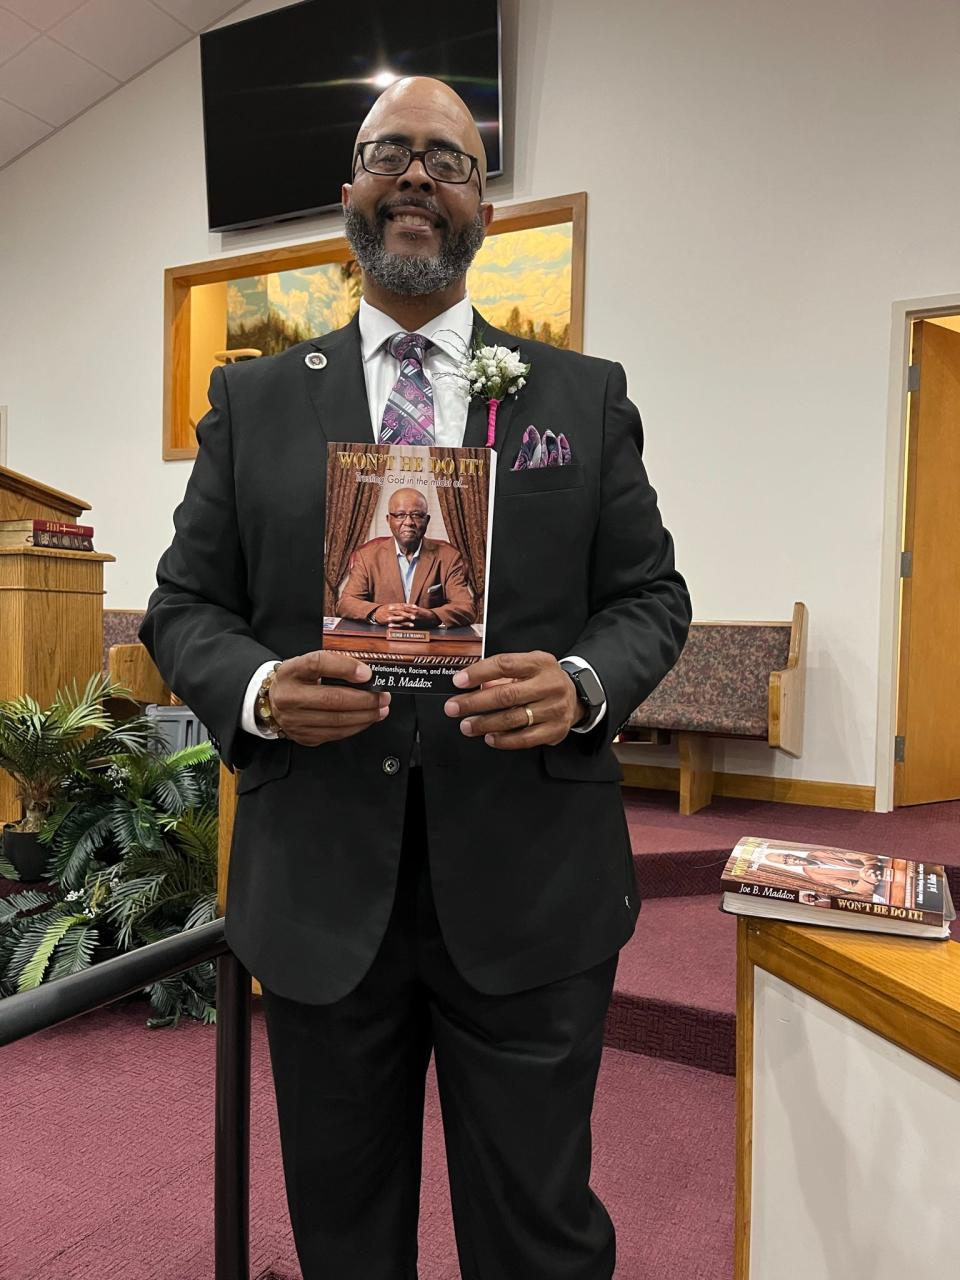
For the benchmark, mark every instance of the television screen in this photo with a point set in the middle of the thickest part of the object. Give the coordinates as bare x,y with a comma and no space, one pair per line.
285,93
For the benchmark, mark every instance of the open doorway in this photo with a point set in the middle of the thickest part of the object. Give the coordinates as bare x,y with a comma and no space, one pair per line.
927,754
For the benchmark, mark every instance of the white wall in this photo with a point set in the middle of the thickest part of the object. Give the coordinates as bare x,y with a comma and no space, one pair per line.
854,1149
765,180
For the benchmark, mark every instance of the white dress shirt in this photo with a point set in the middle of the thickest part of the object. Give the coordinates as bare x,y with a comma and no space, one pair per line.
407,566
451,333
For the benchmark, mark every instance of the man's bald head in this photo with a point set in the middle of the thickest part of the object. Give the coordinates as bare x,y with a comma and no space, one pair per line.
434,102
413,234
410,498
407,517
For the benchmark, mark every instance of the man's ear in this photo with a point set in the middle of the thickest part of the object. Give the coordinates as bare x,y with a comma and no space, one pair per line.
345,191
486,212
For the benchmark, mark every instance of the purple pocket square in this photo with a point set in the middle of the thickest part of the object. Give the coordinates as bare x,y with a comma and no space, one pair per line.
547,450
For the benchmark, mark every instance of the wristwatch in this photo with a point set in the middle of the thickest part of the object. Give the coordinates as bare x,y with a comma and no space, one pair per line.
590,693
262,711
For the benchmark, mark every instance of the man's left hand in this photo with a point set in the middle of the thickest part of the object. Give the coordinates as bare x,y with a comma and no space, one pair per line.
411,615
513,682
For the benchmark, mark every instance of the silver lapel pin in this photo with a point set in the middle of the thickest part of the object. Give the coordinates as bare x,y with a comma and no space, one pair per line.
315,360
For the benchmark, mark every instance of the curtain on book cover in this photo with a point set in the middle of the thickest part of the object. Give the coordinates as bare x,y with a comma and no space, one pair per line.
350,510
464,513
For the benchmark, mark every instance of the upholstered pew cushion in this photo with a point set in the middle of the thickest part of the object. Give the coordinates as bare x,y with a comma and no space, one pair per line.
720,683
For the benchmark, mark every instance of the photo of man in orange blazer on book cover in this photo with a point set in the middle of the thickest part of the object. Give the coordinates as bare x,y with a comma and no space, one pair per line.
407,528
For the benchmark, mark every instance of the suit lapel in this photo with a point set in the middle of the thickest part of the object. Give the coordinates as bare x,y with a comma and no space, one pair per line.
338,391
425,567
475,435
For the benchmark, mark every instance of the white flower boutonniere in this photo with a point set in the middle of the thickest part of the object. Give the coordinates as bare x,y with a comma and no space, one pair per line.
492,374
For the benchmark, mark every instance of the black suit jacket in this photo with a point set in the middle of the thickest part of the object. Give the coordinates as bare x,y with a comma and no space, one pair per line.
529,853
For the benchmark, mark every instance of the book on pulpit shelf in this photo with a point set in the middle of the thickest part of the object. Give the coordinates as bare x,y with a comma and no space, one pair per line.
407,560
59,534
817,884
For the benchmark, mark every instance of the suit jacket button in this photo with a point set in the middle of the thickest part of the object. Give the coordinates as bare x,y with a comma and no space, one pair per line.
390,766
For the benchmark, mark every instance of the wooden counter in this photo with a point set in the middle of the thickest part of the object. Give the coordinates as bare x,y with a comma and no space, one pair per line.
904,990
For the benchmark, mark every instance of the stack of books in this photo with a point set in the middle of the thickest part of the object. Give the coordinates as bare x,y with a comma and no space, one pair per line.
63,535
817,884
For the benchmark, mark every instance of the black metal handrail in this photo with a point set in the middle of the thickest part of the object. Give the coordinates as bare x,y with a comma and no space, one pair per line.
49,1005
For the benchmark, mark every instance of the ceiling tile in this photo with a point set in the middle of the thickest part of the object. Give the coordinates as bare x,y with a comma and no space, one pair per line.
121,36
42,14
198,14
51,82
14,35
18,131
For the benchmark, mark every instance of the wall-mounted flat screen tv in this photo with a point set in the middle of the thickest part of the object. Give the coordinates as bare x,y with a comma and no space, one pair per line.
285,93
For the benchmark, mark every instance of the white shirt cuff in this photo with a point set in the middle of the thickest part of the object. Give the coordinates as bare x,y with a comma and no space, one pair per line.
247,720
597,716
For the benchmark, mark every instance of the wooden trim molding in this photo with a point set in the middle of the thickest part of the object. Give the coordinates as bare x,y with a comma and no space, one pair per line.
744,1160
228,811
43,496
787,688
906,990
179,437
749,786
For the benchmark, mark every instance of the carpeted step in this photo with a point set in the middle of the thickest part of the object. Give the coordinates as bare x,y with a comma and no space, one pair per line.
679,873
663,1160
675,990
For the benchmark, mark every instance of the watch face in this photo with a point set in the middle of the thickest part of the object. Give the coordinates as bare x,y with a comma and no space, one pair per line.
589,688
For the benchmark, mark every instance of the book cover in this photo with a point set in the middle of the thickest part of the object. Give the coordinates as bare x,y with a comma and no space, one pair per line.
857,884
49,526
406,560
60,541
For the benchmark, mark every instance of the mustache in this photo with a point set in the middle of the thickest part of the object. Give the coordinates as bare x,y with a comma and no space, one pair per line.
412,202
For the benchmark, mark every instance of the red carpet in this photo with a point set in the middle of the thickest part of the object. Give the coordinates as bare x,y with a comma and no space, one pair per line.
675,993
923,831
677,856
107,1139
107,1167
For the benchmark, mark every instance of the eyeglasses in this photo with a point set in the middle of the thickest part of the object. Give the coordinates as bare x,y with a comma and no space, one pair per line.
390,159
419,516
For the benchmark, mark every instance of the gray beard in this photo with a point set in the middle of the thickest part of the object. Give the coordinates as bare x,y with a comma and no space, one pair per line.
413,274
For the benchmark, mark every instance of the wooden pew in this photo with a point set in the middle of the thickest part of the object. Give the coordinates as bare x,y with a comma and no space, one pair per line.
733,680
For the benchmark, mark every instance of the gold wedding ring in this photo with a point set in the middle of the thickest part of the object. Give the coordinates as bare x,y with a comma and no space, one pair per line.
529,717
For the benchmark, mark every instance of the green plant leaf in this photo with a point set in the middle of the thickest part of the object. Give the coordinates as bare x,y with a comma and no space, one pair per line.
28,900
74,951
32,974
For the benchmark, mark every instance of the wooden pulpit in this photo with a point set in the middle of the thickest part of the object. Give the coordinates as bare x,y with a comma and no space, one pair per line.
51,607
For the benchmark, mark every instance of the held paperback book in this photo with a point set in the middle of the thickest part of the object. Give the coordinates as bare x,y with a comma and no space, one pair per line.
407,559
813,884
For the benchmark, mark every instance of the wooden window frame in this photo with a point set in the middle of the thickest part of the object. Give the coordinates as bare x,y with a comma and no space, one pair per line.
179,438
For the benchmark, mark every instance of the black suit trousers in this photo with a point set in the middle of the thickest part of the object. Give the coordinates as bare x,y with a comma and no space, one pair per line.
516,1076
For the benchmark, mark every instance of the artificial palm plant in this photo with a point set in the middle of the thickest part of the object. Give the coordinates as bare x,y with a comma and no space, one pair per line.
39,748
133,860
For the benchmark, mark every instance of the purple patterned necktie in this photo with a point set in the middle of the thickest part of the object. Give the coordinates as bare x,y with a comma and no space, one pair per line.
408,414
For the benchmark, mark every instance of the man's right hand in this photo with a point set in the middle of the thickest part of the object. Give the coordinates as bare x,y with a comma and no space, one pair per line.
394,615
310,712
